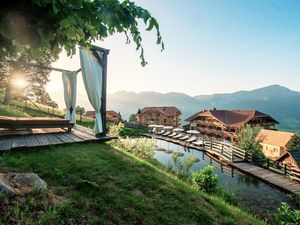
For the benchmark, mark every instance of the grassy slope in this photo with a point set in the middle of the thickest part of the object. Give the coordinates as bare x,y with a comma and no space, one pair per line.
130,191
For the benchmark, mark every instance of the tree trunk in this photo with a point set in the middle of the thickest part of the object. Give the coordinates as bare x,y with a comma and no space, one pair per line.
7,96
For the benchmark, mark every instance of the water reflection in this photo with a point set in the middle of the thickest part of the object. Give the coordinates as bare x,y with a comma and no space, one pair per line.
256,195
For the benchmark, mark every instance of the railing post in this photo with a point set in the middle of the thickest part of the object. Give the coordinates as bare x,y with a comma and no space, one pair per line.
285,171
211,144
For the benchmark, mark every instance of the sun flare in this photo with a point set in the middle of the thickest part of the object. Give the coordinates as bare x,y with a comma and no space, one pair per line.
19,82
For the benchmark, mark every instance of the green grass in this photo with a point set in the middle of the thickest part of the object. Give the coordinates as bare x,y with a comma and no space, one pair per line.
6,110
115,188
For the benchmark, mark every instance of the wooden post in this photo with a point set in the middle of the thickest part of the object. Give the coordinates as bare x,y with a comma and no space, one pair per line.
285,170
104,85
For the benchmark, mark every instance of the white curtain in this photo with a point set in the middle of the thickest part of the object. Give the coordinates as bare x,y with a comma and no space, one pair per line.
70,90
92,77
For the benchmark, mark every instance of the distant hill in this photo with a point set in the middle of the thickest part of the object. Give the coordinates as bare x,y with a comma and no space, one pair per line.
280,102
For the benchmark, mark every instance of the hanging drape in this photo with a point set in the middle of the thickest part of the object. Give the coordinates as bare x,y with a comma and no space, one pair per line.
70,90
92,74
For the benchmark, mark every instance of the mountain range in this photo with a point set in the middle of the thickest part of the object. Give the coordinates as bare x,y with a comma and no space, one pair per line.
279,102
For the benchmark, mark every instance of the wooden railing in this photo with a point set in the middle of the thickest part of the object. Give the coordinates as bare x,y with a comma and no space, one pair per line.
283,168
225,150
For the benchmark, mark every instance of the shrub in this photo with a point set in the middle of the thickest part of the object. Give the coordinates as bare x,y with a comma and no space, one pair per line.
286,216
205,179
115,129
141,147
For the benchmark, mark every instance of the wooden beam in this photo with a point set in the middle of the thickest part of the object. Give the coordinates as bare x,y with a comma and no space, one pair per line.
104,85
37,66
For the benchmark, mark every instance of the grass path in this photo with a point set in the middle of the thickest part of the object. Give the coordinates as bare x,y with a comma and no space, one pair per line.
114,188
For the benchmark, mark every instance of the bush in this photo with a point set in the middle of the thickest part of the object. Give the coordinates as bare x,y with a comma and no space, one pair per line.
115,129
141,147
205,180
286,216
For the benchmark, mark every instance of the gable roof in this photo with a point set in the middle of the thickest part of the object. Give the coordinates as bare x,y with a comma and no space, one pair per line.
273,137
90,113
113,113
294,154
165,110
233,118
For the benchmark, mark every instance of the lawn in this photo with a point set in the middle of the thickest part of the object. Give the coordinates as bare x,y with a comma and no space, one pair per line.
96,184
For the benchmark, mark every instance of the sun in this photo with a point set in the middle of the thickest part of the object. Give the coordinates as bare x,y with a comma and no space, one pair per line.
18,81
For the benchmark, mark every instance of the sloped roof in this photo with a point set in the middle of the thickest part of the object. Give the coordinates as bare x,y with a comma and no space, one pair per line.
90,113
165,110
273,137
294,154
233,118
113,113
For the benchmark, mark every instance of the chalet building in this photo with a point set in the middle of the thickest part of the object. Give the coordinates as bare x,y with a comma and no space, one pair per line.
291,158
90,114
111,116
225,124
166,115
274,143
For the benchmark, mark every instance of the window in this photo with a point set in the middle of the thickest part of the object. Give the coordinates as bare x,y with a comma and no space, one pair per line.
165,120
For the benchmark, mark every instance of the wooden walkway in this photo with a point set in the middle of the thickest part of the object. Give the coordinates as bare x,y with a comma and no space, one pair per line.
224,153
278,180
46,137
272,178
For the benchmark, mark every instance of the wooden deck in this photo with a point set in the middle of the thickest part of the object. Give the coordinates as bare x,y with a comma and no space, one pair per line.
272,178
46,137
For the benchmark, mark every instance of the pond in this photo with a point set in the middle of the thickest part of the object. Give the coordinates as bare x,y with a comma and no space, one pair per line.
260,198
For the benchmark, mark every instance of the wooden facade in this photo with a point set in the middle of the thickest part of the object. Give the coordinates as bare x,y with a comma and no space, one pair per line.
291,159
274,143
113,116
166,115
225,124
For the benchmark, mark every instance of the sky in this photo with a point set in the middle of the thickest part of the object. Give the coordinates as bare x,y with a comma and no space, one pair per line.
211,46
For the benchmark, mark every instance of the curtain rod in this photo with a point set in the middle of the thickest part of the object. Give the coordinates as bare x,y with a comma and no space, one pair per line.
43,67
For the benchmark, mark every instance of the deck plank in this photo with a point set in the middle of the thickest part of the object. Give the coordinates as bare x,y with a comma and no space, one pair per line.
64,137
5,143
31,141
53,139
83,135
18,142
74,137
43,140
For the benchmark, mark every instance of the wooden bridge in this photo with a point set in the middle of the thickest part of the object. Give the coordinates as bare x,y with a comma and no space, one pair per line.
284,178
223,150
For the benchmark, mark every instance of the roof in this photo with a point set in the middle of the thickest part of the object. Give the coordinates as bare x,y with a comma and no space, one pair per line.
295,154
113,113
233,118
273,137
165,110
90,113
